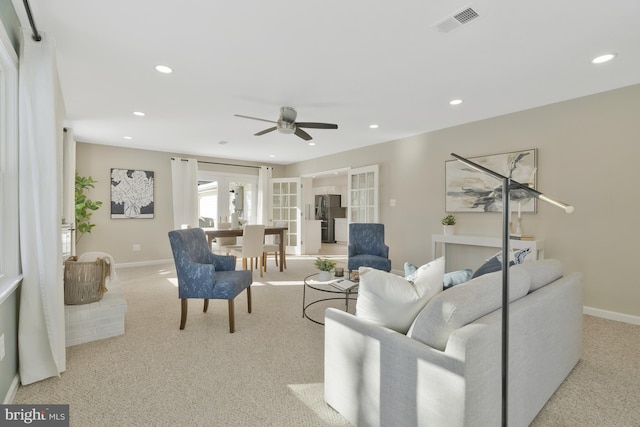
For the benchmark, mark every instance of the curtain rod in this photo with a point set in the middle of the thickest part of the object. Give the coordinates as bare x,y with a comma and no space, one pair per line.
36,35
223,164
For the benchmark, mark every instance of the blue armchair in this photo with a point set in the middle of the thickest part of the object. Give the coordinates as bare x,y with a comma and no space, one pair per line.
367,248
203,274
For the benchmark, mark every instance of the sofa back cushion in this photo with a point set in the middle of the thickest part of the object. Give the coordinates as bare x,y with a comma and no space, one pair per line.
463,304
542,272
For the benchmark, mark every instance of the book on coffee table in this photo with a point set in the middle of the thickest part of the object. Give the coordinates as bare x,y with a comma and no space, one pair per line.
343,284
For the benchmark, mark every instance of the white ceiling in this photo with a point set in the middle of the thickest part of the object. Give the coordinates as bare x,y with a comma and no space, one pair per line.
353,63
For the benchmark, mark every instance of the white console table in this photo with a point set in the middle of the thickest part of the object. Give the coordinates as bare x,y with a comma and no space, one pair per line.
537,246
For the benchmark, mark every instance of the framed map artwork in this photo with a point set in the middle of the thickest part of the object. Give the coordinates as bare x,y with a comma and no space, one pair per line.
131,193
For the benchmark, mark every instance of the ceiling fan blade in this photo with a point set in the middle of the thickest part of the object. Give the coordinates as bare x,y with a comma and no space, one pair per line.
316,125
302,134
255,118
262,132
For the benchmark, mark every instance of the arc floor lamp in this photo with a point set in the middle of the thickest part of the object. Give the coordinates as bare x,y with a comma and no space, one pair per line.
507,185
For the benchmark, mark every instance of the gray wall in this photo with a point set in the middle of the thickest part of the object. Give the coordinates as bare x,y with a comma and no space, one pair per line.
587,154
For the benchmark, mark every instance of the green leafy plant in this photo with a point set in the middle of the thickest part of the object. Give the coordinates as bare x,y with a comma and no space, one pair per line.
324,264
84,206
449,220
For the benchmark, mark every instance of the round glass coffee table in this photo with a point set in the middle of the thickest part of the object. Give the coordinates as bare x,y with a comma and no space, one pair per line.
348,290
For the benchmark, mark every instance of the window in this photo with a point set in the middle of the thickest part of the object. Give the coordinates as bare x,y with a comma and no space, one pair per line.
222,195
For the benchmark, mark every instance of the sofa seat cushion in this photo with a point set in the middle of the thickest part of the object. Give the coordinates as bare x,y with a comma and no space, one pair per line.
463,304
392,301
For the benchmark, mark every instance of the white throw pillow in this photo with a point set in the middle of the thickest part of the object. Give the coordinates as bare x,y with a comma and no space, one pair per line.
393,301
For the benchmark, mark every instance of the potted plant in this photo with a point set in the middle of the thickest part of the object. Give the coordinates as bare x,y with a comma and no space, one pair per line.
449,223
84,206
325,266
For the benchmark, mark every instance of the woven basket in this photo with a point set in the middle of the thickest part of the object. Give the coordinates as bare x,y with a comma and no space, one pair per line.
84,281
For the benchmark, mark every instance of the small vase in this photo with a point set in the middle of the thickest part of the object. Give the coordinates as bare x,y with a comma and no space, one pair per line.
448,229
324,276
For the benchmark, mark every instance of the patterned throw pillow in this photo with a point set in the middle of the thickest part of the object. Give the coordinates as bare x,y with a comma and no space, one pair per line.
495,262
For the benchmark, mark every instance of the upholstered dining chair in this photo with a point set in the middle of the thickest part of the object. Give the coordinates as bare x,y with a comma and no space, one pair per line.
367,248
274,248
205,275
252,246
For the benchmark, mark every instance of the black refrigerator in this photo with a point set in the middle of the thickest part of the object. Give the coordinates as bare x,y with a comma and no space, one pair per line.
327,208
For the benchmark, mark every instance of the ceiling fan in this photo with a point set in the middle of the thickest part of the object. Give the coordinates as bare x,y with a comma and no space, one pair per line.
287,124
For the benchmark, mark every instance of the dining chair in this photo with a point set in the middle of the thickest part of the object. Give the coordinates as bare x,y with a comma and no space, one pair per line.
274,248
252,247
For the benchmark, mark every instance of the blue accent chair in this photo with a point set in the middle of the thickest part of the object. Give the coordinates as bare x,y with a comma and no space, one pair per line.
203,274
367,248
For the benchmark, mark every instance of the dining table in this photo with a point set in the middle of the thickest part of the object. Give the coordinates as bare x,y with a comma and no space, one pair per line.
212,233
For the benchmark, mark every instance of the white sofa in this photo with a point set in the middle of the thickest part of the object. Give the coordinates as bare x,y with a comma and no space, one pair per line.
447,370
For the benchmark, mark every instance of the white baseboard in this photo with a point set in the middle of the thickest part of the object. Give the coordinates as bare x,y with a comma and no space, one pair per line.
143,263
611,315
13,389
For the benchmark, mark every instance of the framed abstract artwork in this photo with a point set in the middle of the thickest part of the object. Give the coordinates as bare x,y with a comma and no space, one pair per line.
131,193
469,190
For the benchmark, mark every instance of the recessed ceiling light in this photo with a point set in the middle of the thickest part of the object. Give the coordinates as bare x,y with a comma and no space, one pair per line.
128,137
603,58
139,113
163,69
374,126
272,155
312,143
455,102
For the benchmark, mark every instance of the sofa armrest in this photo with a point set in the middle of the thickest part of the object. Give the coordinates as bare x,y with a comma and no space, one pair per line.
376,376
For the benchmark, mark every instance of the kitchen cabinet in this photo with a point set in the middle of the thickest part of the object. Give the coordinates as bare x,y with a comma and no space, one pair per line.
341,230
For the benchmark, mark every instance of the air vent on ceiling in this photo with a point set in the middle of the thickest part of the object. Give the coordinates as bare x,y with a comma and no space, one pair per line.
456,20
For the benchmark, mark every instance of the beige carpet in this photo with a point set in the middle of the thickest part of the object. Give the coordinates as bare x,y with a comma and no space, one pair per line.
270,371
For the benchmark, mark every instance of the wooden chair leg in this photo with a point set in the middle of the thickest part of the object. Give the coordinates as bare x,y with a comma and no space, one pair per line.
231,317
206,306
183,316
275,255
249,299
264,260
260,262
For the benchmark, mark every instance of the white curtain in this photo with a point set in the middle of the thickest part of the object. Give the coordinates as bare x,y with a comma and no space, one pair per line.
41,327
69,182
184,180
264,178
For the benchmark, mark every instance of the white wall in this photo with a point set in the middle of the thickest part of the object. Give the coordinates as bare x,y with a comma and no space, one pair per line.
588,149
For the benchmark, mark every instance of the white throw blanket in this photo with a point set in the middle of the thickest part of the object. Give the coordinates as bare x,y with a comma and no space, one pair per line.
92,256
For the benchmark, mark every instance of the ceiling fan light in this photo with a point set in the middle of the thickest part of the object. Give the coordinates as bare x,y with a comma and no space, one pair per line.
286,127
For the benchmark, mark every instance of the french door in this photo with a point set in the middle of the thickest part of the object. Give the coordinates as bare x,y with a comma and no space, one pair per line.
286,207
363,194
